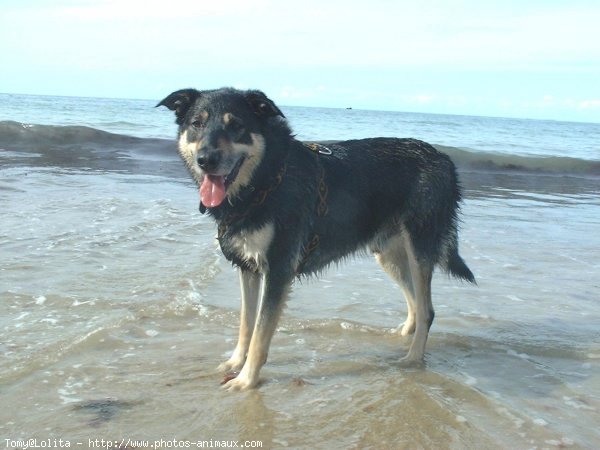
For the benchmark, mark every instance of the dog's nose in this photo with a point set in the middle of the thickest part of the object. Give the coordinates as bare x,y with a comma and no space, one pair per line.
209,159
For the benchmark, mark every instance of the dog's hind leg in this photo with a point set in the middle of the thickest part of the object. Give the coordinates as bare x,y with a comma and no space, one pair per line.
275,292
393,258
250,285
421,274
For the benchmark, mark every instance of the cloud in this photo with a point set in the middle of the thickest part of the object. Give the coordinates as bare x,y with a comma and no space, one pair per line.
589,104
313,33
420,98
140,10
549,101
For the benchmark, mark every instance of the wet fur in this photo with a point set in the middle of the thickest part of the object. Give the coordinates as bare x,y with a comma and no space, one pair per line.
398,198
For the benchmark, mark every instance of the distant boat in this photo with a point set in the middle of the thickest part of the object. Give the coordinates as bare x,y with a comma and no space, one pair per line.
349,107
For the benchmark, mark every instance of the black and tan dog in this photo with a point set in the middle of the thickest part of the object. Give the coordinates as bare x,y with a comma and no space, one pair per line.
286,209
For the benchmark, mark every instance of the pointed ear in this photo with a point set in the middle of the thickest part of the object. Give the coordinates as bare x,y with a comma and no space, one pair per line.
180,101
262,105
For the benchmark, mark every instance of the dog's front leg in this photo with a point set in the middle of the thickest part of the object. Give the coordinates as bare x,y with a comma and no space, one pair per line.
250,286
275,292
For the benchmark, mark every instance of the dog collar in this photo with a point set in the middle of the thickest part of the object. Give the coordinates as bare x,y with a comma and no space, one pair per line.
318,148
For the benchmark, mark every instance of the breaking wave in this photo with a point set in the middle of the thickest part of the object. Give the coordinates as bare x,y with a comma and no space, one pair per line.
40,136
469,160
41,139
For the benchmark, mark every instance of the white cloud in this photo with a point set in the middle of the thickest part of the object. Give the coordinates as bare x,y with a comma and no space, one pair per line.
589,104
140,10
313,33
421,98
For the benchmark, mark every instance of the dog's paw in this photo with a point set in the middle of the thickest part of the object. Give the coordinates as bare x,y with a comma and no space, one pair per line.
242,382
228,377
412,360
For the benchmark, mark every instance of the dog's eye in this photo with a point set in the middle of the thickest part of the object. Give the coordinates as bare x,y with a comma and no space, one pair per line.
198,123
236,129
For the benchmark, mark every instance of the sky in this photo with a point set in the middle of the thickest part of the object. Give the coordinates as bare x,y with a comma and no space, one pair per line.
535,59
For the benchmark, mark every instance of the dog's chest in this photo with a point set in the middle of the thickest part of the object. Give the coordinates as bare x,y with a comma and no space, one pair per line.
251,246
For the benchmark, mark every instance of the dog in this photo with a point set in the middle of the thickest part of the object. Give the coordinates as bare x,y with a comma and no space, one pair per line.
286,209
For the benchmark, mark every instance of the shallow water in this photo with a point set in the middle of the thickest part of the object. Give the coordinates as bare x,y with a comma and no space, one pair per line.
116,307
113,291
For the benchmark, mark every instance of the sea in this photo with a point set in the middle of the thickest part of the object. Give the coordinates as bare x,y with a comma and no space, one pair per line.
116,305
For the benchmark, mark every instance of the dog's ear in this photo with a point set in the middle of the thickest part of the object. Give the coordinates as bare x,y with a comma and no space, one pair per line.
180,101
262,105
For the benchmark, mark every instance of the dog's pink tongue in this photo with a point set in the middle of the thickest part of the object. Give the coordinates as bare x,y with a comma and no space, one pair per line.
212,191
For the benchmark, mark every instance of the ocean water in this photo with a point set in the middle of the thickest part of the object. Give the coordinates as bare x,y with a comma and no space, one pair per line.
116,305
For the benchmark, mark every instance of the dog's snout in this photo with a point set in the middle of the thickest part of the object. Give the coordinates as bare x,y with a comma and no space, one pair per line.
209,159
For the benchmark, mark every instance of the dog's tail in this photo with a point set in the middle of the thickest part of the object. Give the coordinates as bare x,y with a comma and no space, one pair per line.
457,267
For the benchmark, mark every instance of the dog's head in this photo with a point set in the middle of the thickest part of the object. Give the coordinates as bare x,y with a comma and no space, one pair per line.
221,137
